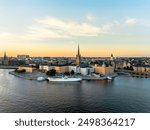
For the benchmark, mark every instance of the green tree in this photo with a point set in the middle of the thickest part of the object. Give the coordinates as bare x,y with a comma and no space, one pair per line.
20,71
51,72
66,73
72,72
37,66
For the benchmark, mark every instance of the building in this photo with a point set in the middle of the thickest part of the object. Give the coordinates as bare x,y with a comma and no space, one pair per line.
76,69
22,57
78,57
104,69
28,69
81,70
111,57
5,60
58,68
61,69
126,64
119,65
46,68
86,70
1,61
142,69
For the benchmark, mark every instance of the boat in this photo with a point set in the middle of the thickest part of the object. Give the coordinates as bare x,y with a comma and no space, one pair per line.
109,78
40,79
64,79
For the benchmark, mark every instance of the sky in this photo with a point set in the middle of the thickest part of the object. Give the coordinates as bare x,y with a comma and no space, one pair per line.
56,27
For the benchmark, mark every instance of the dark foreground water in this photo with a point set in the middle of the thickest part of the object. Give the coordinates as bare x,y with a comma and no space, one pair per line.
123,94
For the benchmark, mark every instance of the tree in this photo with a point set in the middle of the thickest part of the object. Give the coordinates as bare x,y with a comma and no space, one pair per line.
37,66
51,72
20,71
66,73
72,72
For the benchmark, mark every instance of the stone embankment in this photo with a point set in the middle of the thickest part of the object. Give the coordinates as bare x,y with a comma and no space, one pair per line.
29,76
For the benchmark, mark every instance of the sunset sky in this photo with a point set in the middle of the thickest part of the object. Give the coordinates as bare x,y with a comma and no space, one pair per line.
56,27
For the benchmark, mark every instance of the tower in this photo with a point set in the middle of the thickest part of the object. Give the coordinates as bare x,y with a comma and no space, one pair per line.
78,57
5,60
112,57
5,56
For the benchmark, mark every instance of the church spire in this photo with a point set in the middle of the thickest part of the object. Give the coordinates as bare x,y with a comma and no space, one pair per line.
78,57
78,50
5,56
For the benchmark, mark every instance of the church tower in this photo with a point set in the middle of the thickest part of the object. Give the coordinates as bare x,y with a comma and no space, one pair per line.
5,56
78,57
112,57
5,60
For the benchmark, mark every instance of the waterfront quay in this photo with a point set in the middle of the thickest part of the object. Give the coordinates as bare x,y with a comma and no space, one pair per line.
133,73
29,76
94,78
87,68
8,67
34,75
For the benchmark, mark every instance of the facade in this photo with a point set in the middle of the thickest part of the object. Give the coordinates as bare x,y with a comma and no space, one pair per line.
119,65
26,68
126,64
22,57
46,67
5,60
103,69
111,57
86,71
142,69
61,69
76,69
1,61
78,57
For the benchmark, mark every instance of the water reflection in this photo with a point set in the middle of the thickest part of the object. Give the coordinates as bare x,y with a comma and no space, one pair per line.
123,94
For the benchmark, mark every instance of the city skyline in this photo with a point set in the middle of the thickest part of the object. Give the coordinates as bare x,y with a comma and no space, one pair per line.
54,28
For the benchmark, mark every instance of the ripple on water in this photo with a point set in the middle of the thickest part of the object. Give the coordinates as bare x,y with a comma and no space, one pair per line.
124,94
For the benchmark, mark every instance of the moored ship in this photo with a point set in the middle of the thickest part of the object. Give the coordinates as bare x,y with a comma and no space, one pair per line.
64,79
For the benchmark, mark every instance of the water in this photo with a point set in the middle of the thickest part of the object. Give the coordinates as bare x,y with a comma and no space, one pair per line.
123,94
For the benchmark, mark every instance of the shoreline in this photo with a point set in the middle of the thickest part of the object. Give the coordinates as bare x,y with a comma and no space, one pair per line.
8,67
28,76
35,75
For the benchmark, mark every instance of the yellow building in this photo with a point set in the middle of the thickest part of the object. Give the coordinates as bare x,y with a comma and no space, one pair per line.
26,68
61,69
46,68
104,70
142,69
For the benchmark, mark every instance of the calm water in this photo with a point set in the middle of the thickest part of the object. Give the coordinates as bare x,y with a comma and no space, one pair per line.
123,94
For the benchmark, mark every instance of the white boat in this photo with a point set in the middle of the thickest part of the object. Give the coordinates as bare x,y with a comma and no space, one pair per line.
40,79
64,79
109,78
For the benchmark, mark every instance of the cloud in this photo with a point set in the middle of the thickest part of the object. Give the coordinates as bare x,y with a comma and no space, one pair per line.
5,36
50,27
130,21
90,17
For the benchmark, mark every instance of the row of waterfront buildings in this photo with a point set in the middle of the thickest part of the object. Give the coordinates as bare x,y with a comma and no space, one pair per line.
80,68
80,65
